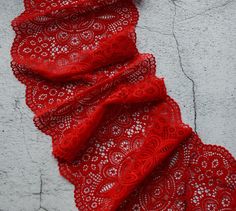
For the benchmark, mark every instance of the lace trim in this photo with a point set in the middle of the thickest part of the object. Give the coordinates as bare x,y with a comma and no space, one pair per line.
117,135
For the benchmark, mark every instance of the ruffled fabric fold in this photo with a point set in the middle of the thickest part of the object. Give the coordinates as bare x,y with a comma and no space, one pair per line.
117,135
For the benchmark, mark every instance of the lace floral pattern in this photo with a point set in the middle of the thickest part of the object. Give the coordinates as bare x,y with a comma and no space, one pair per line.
195,177
118,137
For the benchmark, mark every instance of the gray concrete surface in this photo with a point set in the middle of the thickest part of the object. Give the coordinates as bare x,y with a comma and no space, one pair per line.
195,45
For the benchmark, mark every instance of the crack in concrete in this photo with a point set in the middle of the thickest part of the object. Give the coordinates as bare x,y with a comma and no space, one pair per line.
16,107
40,193
153,30
182,68
43,208
41,189
209,9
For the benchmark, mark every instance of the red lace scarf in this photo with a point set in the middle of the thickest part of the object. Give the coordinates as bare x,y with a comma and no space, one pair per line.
117,135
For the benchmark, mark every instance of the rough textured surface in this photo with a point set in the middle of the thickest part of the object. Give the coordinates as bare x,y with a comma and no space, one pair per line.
194,42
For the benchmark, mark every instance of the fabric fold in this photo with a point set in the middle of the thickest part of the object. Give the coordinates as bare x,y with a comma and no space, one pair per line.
65,48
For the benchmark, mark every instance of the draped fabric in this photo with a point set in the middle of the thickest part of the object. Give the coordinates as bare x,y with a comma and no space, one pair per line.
117,135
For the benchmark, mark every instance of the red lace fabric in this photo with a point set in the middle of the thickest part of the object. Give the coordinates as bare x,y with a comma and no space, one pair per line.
117,135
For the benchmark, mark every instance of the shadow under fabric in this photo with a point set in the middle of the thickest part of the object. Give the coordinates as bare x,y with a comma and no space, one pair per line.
118,137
